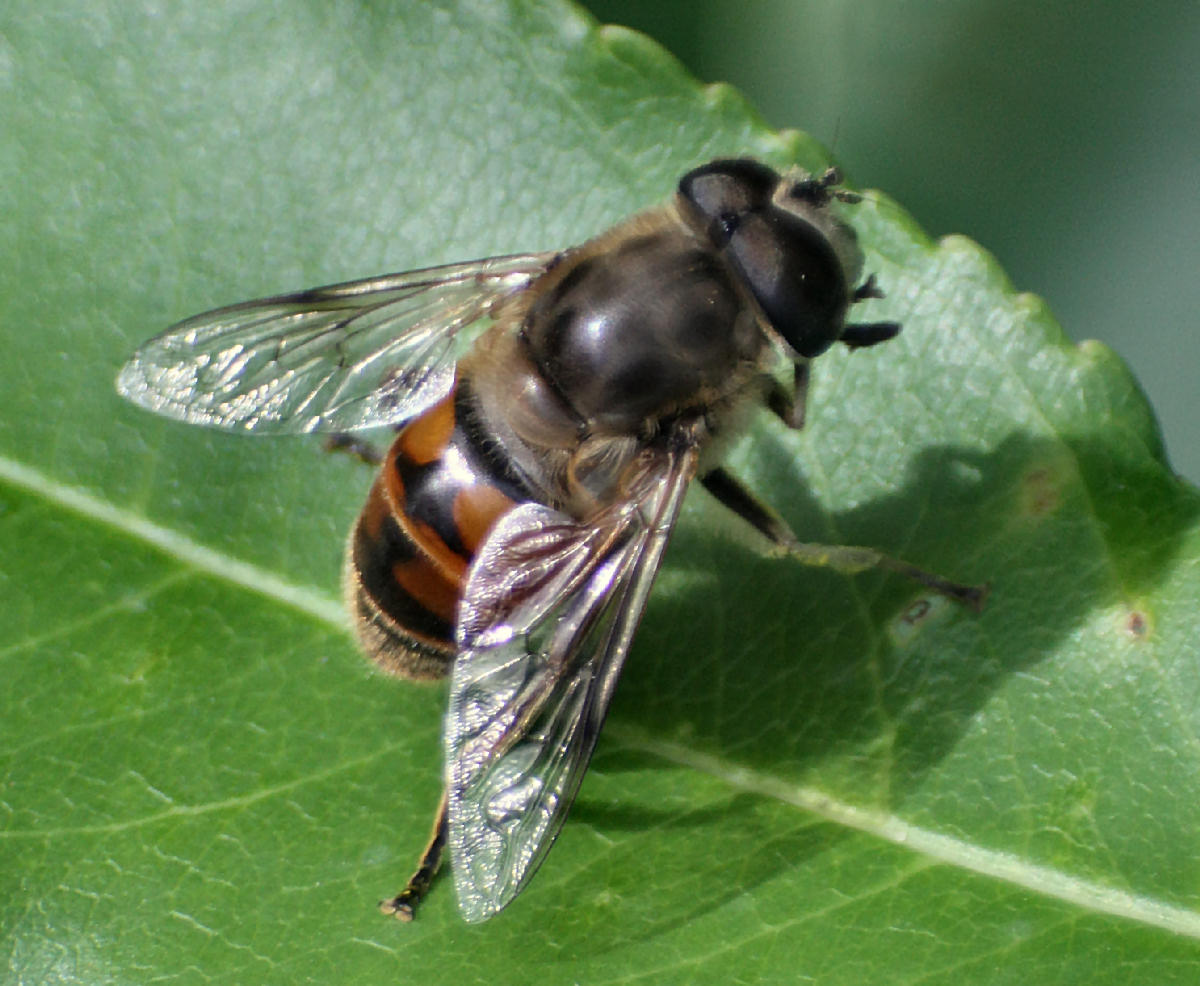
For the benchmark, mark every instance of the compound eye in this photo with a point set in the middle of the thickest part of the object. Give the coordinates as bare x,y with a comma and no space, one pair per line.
729,188
796,278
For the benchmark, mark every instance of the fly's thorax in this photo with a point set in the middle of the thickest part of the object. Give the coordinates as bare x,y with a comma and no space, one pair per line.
640,322
645,324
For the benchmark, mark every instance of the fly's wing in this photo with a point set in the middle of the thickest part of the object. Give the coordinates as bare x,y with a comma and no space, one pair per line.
339,358
549,611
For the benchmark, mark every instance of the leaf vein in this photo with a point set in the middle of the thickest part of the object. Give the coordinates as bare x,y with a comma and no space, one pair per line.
998,865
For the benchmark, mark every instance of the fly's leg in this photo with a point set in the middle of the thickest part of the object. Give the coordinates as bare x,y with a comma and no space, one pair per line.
352,445
790,407
841,558
852,560
730,492
404,904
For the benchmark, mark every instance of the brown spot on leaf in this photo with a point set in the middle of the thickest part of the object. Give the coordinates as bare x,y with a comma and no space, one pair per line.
1137,625
916,612
919,614
1040,494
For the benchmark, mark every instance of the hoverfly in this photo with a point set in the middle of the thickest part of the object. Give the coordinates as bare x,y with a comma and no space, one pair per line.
554,408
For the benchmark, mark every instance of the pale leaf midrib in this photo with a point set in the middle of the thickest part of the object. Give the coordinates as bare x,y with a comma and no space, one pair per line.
175,545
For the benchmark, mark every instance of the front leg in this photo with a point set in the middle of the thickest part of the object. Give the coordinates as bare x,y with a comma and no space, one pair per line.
841,558
790,408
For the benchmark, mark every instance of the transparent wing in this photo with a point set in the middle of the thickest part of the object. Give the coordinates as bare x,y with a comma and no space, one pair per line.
548,615
339,358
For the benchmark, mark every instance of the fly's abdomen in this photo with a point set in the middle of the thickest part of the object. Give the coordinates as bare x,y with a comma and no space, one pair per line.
435,500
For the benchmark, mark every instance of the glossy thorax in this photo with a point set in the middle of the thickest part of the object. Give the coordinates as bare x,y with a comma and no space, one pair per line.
666,316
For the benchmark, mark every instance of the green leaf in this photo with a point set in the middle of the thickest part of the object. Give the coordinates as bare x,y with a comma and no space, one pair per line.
805,777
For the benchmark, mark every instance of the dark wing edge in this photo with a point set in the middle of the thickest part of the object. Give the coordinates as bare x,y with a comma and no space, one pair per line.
345,357
550,609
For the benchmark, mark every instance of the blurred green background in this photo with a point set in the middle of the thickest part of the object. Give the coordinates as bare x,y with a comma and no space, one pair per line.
1063,137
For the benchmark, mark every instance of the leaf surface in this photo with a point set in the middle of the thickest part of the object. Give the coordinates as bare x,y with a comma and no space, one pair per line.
805,777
